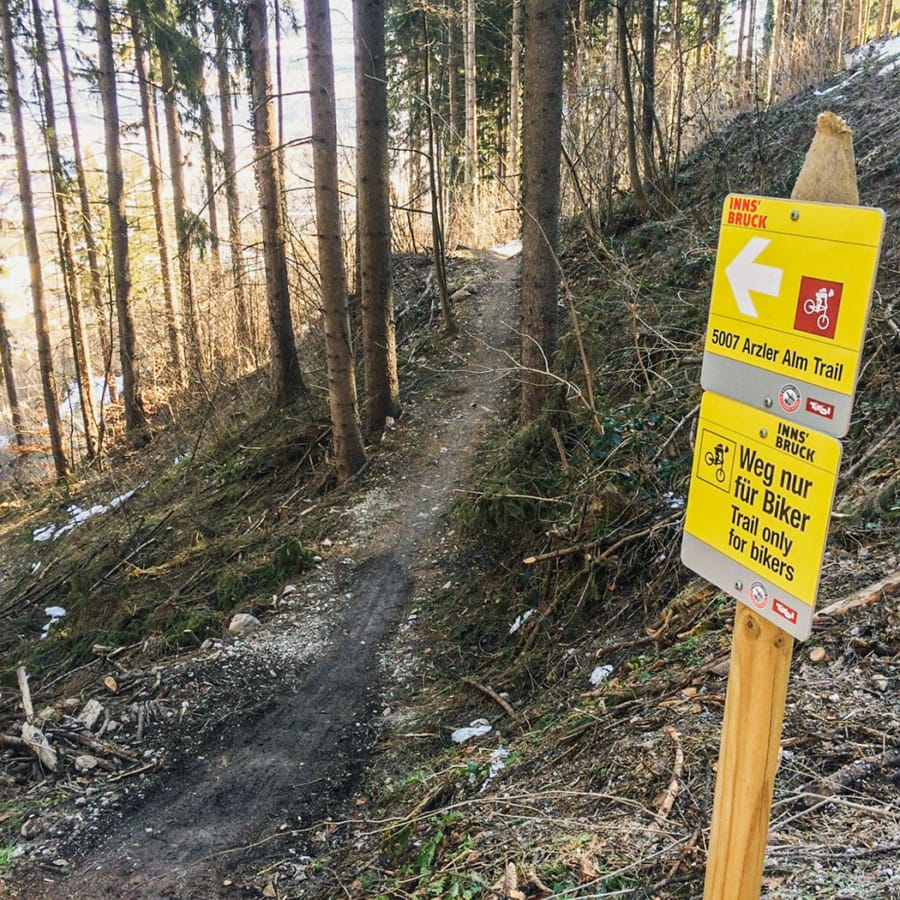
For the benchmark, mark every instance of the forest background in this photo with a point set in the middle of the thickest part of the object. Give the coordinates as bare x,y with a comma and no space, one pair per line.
161,98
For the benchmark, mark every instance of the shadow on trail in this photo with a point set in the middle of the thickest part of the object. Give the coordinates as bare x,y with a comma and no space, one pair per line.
289,764
300,760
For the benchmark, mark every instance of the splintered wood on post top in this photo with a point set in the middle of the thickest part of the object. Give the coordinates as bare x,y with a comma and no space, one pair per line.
828,174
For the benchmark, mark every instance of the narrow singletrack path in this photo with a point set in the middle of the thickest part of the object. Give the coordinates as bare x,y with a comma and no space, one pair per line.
300,761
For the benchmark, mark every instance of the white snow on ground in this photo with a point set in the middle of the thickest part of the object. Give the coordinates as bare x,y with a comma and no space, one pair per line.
71,402
478,728
55,613
521,620
77,516
837,87
883,50
507,250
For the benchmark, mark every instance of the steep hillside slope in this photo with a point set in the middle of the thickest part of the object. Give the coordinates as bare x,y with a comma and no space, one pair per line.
597,661
544,721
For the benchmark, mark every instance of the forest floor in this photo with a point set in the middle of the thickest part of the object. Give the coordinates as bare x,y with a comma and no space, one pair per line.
220,793
421,712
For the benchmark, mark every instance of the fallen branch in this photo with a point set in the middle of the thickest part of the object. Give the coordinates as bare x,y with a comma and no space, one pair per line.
86,739
870,452
674,788
13,742
867,595
488,692
130,773
22,678
37,743
820,801
590,545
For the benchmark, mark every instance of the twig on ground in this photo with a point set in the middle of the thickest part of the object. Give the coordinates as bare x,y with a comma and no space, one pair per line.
821,801
22,678
674,787
867,595
488,692
132,772
609,551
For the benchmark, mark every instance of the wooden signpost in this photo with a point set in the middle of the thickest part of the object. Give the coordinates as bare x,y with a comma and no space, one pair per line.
780,537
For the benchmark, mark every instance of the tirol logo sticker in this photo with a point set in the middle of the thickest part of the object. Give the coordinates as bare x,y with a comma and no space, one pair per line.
818,306
819,408
789,398
785,611
758,595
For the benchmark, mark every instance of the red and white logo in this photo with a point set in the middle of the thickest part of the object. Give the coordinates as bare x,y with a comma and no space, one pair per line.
758,595
819,408
789,398
818,306
785,611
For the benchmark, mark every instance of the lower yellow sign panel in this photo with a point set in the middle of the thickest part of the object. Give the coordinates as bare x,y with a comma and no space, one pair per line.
758,509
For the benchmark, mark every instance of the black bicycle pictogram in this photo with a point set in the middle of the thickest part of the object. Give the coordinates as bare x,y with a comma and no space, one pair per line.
716,457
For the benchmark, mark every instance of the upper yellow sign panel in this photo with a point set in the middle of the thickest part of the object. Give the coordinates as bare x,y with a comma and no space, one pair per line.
790,300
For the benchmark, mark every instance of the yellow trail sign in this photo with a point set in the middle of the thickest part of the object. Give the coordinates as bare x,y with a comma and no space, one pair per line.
758,509
790,300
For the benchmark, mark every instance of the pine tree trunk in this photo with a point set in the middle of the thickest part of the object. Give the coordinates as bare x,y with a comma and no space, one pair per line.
453,92
750,55
246,338
29,229
471,100
286,379
515,66
541,159
81,348
628,100
87,227
151,142
434,191
135,419
183,224
373,216
648,92
348,445
775,53
9,378
207,148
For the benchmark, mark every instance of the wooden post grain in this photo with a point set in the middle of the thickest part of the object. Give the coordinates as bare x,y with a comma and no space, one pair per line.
761,652
748,757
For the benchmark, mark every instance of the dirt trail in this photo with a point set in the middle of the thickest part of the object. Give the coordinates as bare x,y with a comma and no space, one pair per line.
301,759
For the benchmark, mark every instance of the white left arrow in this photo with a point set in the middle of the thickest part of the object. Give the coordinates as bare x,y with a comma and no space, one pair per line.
745,274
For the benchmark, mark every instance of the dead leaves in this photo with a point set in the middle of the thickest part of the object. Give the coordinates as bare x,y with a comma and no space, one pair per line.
507,888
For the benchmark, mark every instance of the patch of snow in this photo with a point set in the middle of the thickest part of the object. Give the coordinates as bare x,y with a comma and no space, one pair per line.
78,515
837,87
44,533
880,50
55,613
507,250
600,674
478,728
496,764
520,621
673,500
